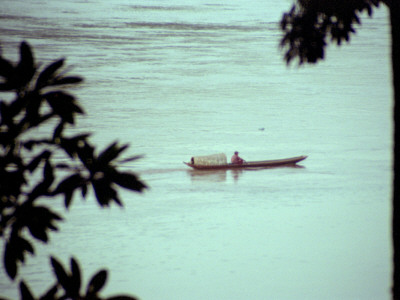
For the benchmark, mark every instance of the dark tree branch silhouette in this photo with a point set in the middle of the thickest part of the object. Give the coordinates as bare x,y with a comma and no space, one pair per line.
307,28
30,168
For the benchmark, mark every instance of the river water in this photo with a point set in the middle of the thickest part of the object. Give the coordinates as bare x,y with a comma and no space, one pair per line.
181,78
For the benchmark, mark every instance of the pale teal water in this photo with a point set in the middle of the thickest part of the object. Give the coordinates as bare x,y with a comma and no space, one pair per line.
198,77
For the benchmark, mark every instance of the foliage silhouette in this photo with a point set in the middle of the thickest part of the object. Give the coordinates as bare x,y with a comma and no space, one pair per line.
31,169
309,23
306,28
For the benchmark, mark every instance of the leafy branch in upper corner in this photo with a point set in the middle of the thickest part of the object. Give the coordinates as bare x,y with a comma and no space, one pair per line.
32,140
309,23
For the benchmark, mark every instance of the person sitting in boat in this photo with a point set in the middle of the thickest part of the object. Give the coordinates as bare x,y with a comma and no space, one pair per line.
236,159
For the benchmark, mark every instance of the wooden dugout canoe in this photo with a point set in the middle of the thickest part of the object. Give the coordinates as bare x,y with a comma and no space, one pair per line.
251,164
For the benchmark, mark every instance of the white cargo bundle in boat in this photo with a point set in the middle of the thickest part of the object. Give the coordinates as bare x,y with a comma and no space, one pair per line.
208,160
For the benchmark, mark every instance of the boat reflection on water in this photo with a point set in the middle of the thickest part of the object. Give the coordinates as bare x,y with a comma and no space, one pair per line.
236,174
222,175
213,175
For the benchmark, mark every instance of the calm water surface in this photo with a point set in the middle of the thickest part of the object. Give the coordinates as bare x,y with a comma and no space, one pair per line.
198,77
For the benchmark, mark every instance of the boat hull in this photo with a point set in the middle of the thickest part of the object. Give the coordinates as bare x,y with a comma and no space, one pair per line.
250,165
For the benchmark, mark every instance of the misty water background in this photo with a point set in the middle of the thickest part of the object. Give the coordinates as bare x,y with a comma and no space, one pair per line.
196,77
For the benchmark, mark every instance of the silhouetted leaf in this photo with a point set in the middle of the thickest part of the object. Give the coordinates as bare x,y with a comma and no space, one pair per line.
25,245
67,80
10,260
25,69
68,186
97,282
14,252
111,153
84,190
75,279
73,146
86,155
48,172
32,116
7,85
60,273
63,105
48,73
50,294
36,161
117,200
17,106
11,182
58,130
103,191
68,198
6,68
39,220
132,158
42,189
4,113
38,232
25,292
128,180
369,9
